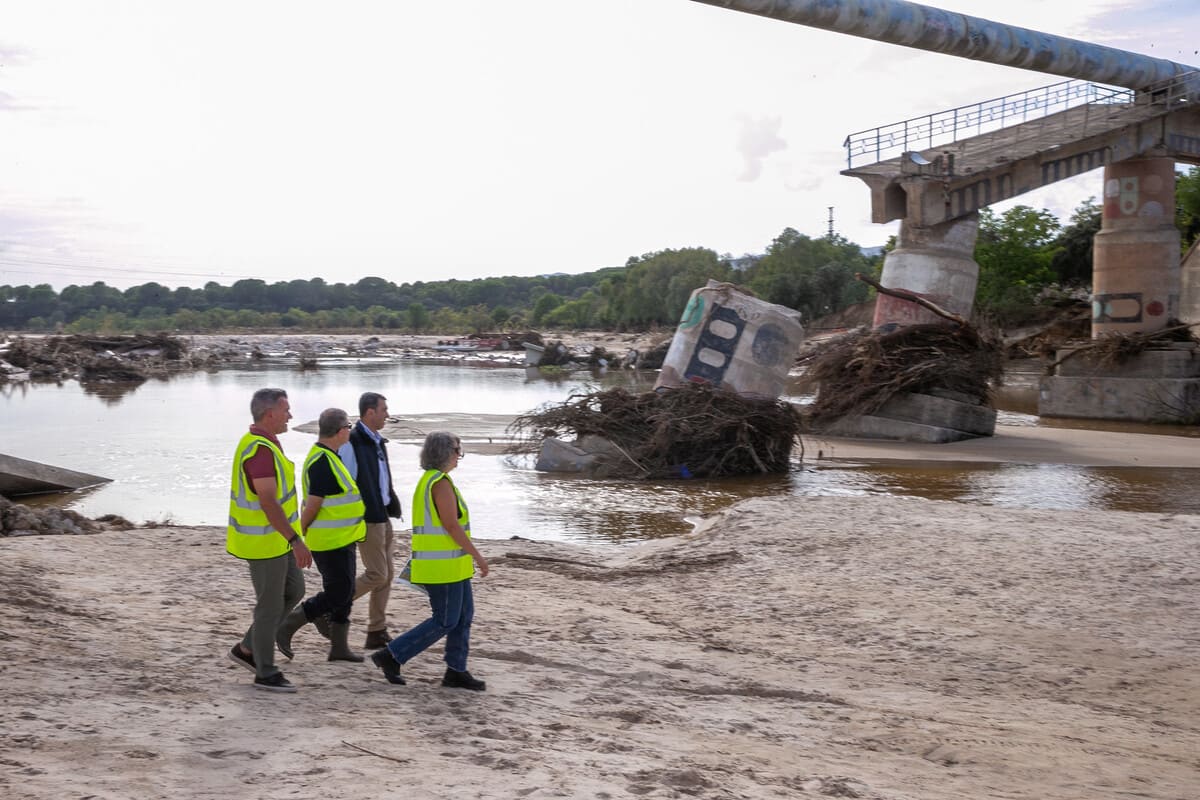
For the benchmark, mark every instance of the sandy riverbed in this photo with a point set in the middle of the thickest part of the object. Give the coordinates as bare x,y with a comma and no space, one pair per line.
791,647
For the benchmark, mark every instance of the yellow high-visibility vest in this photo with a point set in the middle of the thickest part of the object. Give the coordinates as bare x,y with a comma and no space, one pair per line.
250,534
339,521
437,558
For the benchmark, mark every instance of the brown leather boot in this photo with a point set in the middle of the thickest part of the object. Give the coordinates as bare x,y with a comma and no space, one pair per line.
377,639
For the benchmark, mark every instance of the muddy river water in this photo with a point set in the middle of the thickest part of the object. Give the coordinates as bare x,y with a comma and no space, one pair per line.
167,446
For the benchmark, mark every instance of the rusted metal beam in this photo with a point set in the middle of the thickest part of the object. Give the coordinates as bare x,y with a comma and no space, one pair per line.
927,28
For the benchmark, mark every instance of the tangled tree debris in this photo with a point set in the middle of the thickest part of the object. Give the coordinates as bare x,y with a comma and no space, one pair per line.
692,431
1051,326
121,359
859,372
1113,349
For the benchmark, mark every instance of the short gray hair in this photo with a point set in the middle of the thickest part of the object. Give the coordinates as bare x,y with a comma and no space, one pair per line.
263,401
438,447
331,421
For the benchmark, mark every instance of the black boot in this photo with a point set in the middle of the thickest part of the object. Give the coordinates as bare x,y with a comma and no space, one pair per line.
390,666
339,645
462,680
322,624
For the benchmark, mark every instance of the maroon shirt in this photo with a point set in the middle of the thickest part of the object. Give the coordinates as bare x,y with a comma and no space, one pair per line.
262,463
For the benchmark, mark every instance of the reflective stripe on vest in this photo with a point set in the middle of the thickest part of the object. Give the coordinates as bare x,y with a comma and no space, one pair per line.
250,534
339,521
436,557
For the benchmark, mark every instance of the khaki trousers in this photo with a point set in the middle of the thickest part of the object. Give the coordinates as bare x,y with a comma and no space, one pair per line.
379,570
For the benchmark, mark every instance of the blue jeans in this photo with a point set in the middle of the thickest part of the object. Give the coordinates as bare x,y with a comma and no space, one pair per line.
453,607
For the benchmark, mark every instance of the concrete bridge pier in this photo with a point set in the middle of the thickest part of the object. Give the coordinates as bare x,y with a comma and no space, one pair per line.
1135,256
936,262
1135,289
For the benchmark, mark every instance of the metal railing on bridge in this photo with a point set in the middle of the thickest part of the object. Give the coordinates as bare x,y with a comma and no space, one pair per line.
922,133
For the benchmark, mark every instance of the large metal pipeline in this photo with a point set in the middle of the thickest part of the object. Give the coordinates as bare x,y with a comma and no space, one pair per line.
939,31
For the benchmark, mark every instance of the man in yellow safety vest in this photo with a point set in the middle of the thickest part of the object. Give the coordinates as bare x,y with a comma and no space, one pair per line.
264,530
332,524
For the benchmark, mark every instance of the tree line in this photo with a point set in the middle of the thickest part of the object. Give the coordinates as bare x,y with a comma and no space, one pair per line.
1025,255
814,276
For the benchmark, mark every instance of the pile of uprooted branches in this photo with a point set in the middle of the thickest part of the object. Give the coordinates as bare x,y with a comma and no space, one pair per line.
692,431
120,358
1113,349
858,373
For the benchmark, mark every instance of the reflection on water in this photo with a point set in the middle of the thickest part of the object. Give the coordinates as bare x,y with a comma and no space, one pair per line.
1049,486
111,392
167,447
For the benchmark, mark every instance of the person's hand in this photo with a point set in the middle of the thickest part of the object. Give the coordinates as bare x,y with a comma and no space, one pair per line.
302,553
481,565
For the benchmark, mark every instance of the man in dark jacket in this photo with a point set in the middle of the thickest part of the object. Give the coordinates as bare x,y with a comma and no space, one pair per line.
365,455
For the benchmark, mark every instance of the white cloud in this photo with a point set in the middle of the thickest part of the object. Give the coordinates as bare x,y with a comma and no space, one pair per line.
416,141
758,139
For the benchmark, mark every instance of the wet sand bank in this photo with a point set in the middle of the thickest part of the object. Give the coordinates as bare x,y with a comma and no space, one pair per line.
872,647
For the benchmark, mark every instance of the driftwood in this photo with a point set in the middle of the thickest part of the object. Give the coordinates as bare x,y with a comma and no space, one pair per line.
1113,349
905,294
118,359
858,373
548,559
378,755
691,431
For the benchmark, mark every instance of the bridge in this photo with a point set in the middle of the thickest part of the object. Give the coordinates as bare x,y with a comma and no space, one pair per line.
934,173
950,164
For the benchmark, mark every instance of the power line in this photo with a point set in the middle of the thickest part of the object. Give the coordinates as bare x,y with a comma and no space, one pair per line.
82,268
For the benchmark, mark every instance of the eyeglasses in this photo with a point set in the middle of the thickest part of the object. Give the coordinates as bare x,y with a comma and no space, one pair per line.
347,426
459,452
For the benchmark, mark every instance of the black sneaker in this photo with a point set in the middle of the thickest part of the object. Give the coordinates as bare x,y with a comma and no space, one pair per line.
462,680
242,659
390,666
274,683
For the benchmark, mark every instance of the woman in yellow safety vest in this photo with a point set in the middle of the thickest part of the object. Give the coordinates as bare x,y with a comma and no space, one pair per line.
443,562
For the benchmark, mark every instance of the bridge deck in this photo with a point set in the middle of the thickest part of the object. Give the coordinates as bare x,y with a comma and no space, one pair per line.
1044,135
958,178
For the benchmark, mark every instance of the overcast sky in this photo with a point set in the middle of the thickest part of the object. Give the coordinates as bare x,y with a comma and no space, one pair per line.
188,142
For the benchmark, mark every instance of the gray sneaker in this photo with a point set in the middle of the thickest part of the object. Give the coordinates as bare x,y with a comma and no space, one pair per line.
274,683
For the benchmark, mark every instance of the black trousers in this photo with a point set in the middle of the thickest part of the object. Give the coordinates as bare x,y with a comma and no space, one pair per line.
338,568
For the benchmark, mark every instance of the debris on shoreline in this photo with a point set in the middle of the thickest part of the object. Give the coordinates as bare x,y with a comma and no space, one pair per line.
1113,349
17,519
859,372
693,431
106,363
97,359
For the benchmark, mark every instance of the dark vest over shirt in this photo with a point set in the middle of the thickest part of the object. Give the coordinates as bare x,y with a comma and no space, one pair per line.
366,453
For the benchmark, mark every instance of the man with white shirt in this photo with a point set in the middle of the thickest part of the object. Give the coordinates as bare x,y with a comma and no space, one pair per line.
365,455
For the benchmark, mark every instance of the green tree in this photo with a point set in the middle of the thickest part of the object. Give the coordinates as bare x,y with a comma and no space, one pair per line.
1187,205
478,318
544,305
657,286
418,317
1014,252
1072,258
813,276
